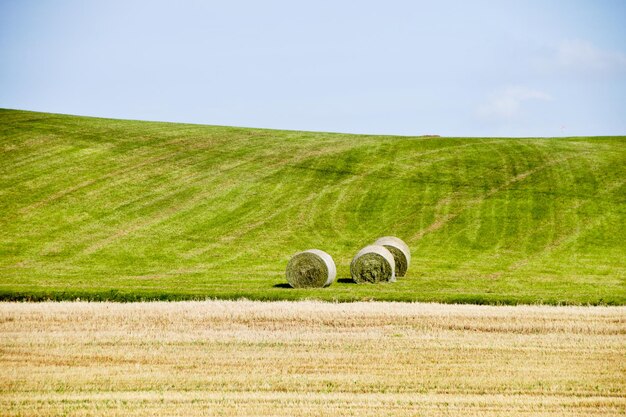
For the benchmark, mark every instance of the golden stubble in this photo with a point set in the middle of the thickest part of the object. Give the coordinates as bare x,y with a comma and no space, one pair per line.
310,359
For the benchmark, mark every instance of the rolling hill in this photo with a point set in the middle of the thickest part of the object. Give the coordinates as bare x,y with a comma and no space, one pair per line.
126,210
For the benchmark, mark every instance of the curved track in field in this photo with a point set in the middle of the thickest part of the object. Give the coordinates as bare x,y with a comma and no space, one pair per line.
116,209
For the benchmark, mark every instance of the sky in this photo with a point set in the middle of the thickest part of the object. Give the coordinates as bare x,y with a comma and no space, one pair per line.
451,68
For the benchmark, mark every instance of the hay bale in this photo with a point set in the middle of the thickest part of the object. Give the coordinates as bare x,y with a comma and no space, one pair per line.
373,264
400,251
312,268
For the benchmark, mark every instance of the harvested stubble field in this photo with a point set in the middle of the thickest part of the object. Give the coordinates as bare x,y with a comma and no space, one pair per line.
310,359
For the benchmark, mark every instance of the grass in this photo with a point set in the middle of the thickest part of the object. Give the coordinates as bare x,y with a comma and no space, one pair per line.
105,209
309,359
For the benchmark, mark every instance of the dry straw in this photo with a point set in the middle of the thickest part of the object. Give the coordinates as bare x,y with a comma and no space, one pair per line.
373,264
400,251
311,268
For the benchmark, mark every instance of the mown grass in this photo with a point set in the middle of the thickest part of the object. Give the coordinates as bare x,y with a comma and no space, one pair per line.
106,209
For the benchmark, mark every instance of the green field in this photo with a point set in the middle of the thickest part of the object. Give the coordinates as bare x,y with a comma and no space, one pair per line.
124,210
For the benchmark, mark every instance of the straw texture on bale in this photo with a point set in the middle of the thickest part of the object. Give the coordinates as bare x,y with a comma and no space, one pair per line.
373,264
400,251
312,268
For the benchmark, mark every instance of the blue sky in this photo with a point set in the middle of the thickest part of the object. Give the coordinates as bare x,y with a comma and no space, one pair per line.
453,68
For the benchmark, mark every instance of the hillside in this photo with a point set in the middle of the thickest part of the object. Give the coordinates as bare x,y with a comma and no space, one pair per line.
125,210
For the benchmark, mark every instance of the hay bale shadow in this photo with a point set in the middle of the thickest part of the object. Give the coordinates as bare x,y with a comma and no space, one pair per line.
346,281
282,285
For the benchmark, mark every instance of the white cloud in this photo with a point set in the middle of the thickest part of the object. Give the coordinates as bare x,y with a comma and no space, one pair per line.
507,103
584,56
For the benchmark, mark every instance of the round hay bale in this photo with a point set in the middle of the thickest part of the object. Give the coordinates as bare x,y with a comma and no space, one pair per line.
312,268
373,264
400,251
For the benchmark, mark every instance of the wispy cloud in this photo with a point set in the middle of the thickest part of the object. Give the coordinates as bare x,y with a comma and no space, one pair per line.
508,103
582,55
